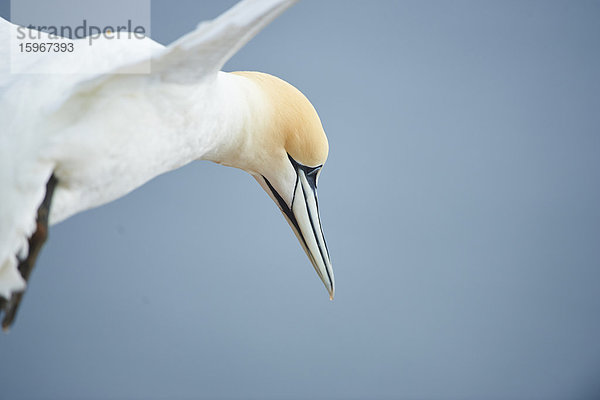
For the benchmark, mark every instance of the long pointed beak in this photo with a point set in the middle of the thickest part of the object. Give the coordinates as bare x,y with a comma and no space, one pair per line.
305,208
303,216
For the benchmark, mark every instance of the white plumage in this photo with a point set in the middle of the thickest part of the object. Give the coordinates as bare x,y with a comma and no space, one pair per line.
103,135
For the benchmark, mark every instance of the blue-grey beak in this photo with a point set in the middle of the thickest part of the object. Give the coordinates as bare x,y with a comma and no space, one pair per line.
303,216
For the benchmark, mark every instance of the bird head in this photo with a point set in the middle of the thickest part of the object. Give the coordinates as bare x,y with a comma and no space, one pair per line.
285,151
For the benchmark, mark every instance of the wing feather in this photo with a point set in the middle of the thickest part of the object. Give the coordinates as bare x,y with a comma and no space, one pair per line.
204,51
23,169
207,49
23,179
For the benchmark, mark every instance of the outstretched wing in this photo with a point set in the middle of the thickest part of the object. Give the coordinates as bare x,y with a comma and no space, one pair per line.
207,49
204,51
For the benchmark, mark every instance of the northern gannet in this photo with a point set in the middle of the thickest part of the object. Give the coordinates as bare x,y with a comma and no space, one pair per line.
71,142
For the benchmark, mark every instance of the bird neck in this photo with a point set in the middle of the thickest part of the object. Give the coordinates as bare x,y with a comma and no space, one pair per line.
243,116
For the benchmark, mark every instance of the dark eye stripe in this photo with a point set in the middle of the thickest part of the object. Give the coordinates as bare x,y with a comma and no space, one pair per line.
310,172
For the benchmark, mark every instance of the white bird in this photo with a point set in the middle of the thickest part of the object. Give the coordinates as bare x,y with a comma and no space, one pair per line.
70,142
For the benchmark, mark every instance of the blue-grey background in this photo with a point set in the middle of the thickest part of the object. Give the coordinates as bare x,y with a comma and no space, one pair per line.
460,203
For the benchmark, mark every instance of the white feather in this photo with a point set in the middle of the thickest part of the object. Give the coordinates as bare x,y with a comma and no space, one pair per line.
104,135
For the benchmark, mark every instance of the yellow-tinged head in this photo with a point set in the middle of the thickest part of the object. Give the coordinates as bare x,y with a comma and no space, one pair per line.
293,121
285,150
